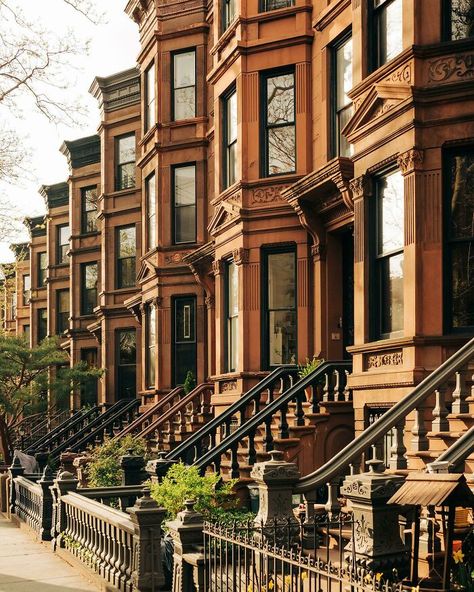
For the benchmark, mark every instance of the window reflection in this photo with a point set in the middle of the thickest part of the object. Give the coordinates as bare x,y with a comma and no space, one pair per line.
184,85
389,27
343,104
280,124
462,18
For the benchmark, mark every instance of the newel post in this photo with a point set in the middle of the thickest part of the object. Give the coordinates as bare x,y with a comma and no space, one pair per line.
147,517
45,483
376,542
187,535
64,483
16,470
133,469
276,479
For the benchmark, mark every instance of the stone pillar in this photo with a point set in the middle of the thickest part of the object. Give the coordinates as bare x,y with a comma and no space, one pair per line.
275,479
62,485
80,464
148,569
67,461
187,534
42,459
157,468
16,470
45,483
377,544
133,469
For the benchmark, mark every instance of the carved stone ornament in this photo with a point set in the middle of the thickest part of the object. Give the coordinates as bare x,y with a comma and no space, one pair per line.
379,360
318,252
176,257
459,67
240,256
401,75
210,302
228,386
360,186
218,267
264,195
411,160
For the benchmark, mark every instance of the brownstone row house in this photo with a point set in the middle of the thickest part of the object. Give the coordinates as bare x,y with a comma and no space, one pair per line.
280,179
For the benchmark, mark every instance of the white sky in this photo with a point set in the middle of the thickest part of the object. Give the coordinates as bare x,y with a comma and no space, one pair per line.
114,47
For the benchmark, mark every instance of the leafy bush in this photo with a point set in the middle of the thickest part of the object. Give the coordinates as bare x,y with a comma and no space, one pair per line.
308,367
104,469
189,383
214,499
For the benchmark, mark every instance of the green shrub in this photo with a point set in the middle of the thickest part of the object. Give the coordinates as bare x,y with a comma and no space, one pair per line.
308,367
189,383
214,499
104,468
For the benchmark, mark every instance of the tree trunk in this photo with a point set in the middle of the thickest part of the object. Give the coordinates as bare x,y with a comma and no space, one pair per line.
5,442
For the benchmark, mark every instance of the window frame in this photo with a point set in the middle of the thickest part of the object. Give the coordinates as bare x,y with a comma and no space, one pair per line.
150,105
374,12
39,336
60,246
26,291
226,145
173,88
151,350
175,208
118,365
226,22
263,5
266,252
264,127
85,212
118,268
58,312
117,165
335,113
85,291
228,350
151,245
174,308
42,271
448,242
377,259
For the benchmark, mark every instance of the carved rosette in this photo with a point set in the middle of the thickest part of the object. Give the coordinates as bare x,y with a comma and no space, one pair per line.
410,161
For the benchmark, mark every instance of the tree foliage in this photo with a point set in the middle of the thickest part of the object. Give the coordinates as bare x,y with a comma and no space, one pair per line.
31,376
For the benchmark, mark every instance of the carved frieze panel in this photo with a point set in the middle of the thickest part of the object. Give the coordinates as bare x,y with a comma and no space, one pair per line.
383,359
228,386
176,257
266,195
451,68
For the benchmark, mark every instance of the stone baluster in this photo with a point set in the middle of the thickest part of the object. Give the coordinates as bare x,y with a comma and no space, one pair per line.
16,470
347,390
460,393
419,440
147,517
63,484
333,506
133,468
327,389
188,562
398,460
46,509
440,413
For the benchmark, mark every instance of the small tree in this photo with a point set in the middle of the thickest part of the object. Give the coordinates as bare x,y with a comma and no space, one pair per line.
27,375
189,383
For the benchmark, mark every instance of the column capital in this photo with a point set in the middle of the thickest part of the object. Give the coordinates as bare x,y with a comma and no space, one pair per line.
410,161
360,186
240,256
218,267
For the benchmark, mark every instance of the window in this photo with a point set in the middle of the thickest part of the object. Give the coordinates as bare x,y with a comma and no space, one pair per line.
126,343
342,104
89,210
232,316
151,346
42,324
42,266
150,97
26,333
280,318
184,338
125,159
388,30
279,124
14,304
150,188
267,5
184,85
459,19
89,280
184,192
62,307
230,139
90,386
459,237
63,234
389,242
126,256
26,290
229,11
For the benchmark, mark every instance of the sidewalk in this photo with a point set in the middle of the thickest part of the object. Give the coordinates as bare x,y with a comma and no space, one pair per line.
28,566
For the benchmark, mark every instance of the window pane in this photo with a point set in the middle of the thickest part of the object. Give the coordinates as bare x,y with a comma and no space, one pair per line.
184,103
127,272
90,199
184,187
391,213
390,30
150,97
345,149
282,337
185,330
281,150
232,164
90,276
127,347
64,233
126,149
127,242
185,224
185,204
462,196
63,301
275,4
462,19
233,290
343,73
234,344
229,12
392,294
126,176
462,284
184,69
281,280
281,99
232,317
232,118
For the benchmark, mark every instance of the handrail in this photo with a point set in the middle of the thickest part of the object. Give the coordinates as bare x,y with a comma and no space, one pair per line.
240,405
101,421
38,432
154,409
456,453
61,428
375,432
269,410
182,404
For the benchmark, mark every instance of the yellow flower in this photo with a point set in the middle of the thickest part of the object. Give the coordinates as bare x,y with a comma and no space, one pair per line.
250,588
271,585
263,589
378,576
288,579
304,576
458,556
368,579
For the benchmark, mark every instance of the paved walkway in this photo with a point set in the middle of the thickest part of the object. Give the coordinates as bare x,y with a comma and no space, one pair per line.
29,566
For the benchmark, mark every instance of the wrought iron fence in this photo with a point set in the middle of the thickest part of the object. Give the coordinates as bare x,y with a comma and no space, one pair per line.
289,556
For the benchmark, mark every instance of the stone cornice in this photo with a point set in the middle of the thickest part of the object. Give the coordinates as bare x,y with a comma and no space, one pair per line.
81,152
118,90
56,195
36,226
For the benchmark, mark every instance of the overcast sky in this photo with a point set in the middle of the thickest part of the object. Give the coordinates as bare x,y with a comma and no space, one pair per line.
114,47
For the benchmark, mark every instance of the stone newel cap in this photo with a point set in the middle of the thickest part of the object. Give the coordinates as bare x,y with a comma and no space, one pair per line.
275,470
